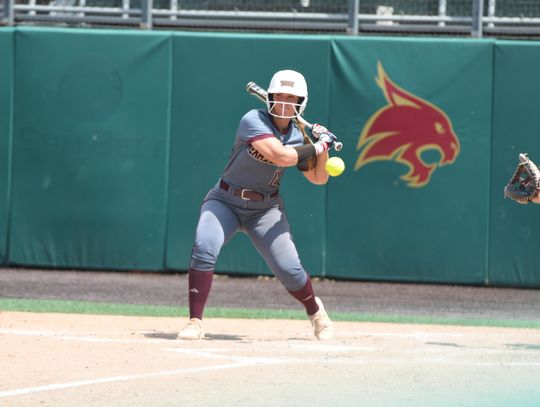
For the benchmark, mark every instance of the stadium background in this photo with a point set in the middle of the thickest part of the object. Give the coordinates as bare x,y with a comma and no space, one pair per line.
93,123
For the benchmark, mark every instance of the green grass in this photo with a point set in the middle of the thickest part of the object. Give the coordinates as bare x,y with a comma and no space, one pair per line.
103,308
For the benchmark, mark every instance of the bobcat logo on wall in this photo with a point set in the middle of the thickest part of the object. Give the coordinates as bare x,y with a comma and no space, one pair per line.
404,129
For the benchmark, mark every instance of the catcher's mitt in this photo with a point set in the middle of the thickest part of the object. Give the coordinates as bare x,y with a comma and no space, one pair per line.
525,183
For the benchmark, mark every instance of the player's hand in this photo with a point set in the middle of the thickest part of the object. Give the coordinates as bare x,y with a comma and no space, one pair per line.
317,130
328,138
326,141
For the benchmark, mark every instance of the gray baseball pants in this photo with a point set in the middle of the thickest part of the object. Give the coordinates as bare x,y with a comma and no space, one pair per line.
265,223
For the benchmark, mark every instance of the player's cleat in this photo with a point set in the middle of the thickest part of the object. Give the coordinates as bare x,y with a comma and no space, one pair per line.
193,330
321,322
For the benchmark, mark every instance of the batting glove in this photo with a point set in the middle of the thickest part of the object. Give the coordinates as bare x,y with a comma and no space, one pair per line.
326,140
317,130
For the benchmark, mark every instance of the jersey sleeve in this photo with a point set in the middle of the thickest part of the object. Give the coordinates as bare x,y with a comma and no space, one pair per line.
253,127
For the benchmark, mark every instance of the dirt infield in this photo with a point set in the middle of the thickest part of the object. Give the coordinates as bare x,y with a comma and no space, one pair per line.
67,360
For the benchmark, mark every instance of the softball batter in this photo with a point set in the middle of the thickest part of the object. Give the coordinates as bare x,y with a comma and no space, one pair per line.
246,198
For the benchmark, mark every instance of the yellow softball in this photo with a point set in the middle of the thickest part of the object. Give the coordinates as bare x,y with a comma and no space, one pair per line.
334,166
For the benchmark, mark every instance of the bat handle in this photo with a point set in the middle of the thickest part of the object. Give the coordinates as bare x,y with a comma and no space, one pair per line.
256,91
338,145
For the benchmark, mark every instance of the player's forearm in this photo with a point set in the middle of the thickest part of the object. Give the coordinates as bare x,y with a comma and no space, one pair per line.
274,151
318,175
286,157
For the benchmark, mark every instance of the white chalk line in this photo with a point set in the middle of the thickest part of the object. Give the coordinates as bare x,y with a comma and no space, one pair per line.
309,346
421,336
85,337
335,348
239,359
329,360
339,351
88,336
112,379
76,337
416,335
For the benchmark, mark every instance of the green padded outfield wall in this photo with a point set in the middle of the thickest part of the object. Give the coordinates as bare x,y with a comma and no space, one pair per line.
111,138
430,227
514,232
6,114
90,156
210,76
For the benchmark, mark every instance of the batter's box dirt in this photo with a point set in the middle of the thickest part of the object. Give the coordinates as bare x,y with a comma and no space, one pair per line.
66,360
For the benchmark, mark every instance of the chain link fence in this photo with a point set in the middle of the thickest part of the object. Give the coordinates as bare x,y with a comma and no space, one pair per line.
430,17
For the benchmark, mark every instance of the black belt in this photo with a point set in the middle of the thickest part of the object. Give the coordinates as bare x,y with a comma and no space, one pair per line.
246,194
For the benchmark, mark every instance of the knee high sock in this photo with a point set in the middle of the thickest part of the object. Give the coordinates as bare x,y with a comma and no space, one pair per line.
307,297
199,288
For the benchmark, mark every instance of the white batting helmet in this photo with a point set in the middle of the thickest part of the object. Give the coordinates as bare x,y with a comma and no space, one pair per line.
292,83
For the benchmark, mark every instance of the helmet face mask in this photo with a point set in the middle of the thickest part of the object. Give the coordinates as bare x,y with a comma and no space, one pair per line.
289,82
279,108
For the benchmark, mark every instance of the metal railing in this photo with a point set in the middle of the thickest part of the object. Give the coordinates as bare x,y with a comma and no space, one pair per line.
474,18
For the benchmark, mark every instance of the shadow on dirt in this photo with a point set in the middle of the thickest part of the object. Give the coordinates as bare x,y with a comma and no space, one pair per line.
162,335
214,337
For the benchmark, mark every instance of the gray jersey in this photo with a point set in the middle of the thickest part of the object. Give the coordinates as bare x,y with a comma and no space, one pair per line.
247,168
